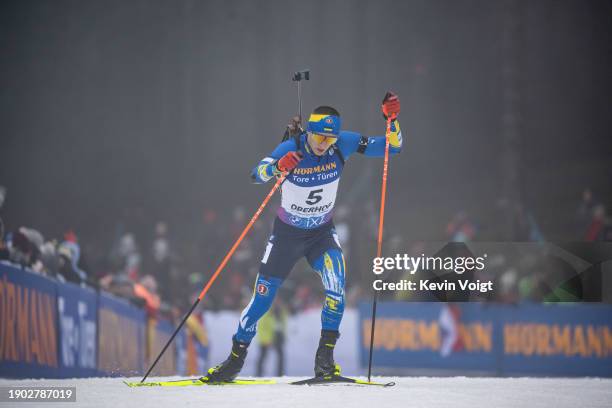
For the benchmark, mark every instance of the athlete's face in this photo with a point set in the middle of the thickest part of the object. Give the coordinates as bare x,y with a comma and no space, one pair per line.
320,143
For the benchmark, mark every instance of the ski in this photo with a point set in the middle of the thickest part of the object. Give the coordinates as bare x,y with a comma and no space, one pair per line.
197,382
338,379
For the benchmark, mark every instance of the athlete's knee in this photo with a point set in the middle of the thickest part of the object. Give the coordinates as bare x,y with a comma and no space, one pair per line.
263,296
266,286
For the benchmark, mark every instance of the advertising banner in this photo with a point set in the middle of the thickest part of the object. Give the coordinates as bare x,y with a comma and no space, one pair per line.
77,318
430,335
158,334
527,339
28,324
572,339
121,336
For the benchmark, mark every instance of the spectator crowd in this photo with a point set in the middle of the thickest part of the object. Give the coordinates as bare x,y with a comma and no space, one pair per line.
163,272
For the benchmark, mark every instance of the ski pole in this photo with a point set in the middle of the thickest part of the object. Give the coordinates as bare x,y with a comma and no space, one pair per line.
381,223
219,269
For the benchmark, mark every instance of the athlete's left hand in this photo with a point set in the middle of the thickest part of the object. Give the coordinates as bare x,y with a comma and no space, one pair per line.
391,106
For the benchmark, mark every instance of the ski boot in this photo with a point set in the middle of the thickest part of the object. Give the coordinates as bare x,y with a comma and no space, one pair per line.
229,369
324,359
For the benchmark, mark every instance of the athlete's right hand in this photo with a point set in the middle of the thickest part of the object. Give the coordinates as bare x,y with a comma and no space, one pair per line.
289,161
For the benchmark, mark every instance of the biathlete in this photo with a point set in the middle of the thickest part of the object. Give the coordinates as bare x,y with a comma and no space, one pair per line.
314,161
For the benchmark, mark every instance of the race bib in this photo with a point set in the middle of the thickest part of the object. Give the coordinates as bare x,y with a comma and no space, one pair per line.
309,202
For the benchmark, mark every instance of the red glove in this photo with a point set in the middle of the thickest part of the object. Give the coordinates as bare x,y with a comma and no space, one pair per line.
391,106
289,161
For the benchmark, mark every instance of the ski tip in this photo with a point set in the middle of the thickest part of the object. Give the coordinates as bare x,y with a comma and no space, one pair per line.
131,384
380,384
136,384
376,384
139,384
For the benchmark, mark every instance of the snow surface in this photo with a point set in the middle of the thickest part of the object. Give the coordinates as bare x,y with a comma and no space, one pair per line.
429,392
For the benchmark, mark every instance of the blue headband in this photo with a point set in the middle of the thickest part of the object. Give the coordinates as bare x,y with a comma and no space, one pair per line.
327,125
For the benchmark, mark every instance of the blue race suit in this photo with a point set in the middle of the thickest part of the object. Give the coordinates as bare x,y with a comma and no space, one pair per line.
304,225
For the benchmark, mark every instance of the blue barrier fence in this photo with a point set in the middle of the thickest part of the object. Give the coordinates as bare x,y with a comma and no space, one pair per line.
528,339
52,329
